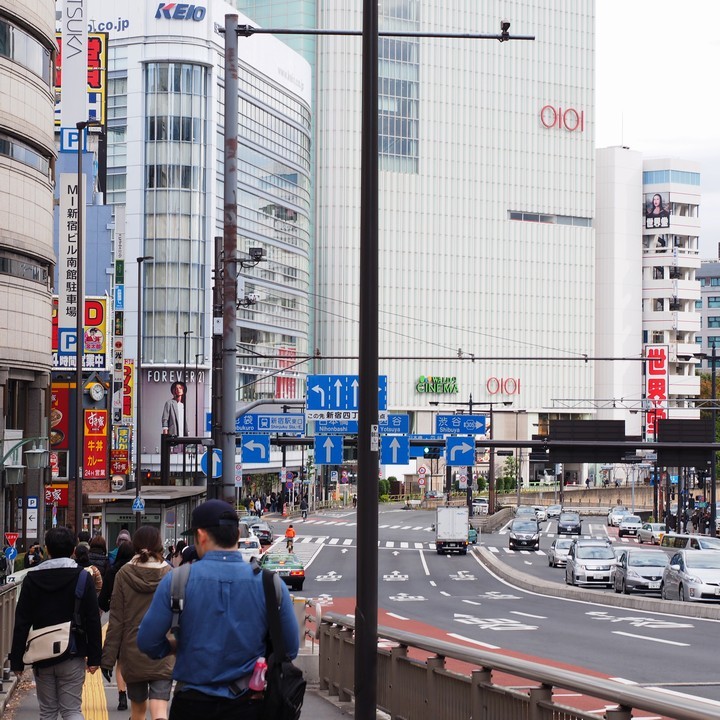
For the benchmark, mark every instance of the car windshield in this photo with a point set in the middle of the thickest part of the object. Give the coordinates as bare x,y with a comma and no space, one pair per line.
524,526
657,526
709,561
563,544
595,553
569,517
709,543
525,511
631,519
647,559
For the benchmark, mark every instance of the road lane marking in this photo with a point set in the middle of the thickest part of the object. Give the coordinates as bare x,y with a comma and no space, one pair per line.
446,594
424,564
396,616
537,617
334,541
651,639
472,602
624,681
347,541
714,703
433,583
473,642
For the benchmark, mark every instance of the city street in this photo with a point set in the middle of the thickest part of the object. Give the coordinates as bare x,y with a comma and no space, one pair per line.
455,598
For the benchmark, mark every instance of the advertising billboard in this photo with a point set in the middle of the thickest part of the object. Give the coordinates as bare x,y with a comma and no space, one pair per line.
656,211
96,327
656,388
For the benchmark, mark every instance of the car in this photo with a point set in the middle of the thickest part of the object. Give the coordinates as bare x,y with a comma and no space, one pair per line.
527,510
569,523
692,575
287,565
540,513
629,525
558,551
433,495
524,533
616,514
590,564
480,506
639,570
472,535
651,533
250,548
553,511
672,542
262,530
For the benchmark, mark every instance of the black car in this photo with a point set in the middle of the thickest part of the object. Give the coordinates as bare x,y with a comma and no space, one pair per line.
568,523
524,533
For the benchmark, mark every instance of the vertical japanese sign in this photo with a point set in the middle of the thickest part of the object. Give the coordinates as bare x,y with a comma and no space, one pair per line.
60,416
656,388
96,326
68,290
128,391
285,387
96,433
74,31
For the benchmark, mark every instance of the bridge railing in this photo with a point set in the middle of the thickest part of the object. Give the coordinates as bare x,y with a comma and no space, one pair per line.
414,680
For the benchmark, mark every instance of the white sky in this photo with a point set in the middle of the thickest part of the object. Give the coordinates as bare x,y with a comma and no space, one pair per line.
658,63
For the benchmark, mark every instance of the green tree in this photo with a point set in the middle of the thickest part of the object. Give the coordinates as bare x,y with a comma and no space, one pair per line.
383,487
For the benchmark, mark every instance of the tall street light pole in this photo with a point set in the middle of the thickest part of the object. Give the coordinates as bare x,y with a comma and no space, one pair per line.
82,128
185,415
138,389
713,463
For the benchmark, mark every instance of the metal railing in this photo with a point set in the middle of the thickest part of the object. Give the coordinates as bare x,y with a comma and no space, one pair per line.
489,686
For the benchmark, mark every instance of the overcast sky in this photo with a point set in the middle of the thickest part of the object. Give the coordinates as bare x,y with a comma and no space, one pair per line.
658,64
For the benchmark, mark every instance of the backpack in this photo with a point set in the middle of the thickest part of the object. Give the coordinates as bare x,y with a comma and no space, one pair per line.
285,688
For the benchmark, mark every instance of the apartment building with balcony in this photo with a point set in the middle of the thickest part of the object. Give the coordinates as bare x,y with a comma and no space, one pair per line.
709,308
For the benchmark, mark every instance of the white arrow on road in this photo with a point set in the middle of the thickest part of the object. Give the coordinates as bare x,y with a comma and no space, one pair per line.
462,448
332,576
492,623
252,445
463,575
395,575
394,445
404,597
328,445
319,389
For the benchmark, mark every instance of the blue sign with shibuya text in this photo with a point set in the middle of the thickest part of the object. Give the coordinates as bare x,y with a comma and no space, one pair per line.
180,11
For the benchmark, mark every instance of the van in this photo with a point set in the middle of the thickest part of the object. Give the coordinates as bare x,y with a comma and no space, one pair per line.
672,542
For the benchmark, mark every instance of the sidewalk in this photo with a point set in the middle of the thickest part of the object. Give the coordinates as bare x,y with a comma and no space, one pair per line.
100,702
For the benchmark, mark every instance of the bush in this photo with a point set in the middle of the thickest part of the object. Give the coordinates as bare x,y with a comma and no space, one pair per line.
384,498
383,487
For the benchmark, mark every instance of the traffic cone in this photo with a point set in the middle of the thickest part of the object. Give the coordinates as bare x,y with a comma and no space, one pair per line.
284,510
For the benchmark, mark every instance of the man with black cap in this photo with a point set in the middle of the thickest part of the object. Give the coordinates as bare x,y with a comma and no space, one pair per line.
223,625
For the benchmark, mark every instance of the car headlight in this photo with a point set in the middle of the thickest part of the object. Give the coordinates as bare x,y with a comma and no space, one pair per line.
693,579
635,575
513,536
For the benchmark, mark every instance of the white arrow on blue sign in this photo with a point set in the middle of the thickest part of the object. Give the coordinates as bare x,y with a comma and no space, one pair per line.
460,424
255,448
460,451
340,392
328,449
394,450
216,456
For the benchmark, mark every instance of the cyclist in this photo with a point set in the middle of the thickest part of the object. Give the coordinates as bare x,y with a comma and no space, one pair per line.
289,537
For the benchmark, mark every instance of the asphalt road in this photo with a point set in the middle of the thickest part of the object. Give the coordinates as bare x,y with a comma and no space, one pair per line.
454,597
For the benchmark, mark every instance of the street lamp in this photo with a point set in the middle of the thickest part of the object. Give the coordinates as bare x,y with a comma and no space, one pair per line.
185,417
82,127
713,458
138,392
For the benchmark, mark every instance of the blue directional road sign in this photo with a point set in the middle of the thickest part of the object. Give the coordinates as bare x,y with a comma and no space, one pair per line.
328,449
395,425
255,448
11,552
339,392
272,423
392,424
394,450
460,451
216,456
460,424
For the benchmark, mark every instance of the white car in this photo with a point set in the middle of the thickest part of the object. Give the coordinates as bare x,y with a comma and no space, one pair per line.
651,533
616,514
480,506
629,525
250,548
540,512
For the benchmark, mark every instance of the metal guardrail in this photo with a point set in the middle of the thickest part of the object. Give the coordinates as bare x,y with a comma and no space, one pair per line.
411,685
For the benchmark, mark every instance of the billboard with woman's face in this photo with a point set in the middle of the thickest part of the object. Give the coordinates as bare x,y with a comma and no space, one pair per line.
657,210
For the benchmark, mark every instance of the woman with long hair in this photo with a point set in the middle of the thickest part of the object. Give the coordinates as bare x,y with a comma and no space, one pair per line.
149,682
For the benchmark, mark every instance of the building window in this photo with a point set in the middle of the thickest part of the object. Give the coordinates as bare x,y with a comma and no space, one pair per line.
659,305
658,273
715,282
713,321
658,337
681,177
698,304
16,150
25,50
713,301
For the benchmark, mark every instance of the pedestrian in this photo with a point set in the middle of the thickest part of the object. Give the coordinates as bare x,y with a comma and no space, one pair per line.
304,508
82,558
258,507
149,682
48,598
223,625
125,553
34,556
98,553
123,536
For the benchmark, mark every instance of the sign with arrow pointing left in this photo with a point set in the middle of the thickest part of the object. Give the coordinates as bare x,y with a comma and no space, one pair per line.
255,448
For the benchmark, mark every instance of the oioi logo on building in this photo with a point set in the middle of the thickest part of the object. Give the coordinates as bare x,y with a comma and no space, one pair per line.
180,11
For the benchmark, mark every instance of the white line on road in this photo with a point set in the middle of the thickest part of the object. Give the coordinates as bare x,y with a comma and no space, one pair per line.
398,617
347,541
624,681
433,583
474,642
652,639
315,554
334,541
472,602
537,617
446,594
424,564
667,691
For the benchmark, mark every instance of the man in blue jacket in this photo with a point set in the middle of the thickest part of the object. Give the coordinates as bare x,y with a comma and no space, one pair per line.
48,598
223,625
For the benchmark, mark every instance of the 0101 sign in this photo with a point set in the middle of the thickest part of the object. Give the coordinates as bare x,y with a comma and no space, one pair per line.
568,119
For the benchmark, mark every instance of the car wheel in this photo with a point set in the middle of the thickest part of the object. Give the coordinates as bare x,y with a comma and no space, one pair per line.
615,587
639,540
625,588
550,562
681,594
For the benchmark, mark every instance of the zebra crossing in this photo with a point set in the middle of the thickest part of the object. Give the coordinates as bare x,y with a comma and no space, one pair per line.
304,540
346,523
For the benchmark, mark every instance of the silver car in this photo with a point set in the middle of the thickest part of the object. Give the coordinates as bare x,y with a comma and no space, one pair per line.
540,513
590,564
629,525
553,511
692,575
616,514
651,533
639,570
558,551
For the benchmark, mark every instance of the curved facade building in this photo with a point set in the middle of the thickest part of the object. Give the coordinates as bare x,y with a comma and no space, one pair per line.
27,160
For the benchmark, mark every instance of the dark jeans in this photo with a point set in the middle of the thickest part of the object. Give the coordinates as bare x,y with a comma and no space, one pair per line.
192,705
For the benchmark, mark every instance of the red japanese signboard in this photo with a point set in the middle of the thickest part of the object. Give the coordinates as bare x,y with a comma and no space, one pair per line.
656,387
119,462
56,495
95,444
60,416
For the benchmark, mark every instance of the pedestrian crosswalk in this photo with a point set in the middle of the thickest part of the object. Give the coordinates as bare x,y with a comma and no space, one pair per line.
305,540
346,523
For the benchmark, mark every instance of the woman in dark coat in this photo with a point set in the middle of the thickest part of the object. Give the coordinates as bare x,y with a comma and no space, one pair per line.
98,553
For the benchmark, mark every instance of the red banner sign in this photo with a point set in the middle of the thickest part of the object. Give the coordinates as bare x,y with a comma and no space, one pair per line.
60,416
119,462
56,495
95,443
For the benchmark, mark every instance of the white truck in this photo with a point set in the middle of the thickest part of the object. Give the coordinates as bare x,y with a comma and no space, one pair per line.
451,529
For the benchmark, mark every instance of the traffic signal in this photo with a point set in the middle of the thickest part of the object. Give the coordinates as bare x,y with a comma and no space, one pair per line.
432,452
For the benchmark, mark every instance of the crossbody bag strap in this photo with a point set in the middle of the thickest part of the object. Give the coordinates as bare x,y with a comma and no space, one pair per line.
79,592
178,581
273,614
